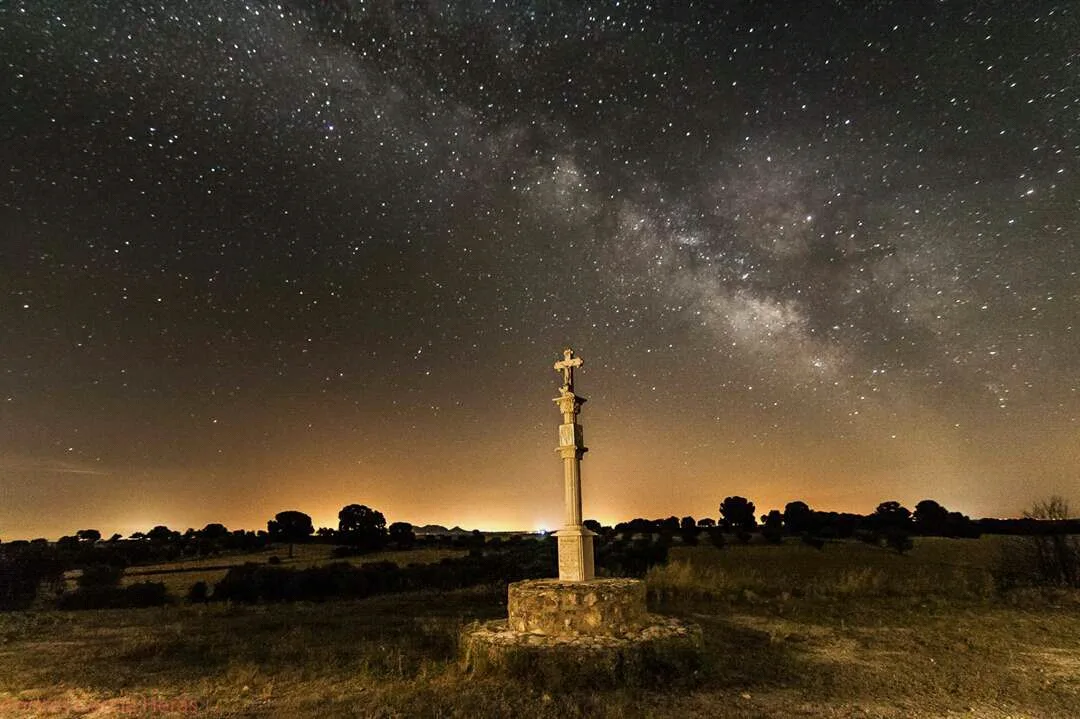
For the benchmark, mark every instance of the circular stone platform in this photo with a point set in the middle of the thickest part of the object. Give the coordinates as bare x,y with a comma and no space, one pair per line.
614,607
568,634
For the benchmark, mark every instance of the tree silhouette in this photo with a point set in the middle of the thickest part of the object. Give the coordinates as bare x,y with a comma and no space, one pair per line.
798,517
401,534
362,526
892,515
88,535
161,533
214,532
931,517
1056,554
772,526
738,512
290,526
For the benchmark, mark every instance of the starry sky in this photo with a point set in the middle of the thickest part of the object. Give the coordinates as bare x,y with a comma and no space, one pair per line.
259,255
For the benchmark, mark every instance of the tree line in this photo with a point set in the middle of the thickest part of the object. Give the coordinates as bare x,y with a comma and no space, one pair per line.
27,567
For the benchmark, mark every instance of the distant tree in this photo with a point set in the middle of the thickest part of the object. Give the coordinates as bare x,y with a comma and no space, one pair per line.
88,535
115,538
960,525
931,518
401,534
738,512
137,535
689,536
161,533
290,526
688,530
891,515
1054,554
798,517
772,526
640,525
214,532
361,526
706,522
326,533
593,526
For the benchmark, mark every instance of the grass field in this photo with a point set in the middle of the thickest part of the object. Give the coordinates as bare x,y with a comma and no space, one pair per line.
853,631
179,576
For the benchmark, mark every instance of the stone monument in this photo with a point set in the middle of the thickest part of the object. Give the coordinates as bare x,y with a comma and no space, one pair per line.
576,558
597,623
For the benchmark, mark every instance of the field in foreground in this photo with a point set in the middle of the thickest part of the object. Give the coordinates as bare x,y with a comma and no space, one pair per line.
853,631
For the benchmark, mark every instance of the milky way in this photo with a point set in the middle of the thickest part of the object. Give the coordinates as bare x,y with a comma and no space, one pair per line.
260,256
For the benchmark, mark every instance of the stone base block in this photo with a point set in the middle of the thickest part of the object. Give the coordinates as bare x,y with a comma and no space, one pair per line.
662,651
611,607
576,554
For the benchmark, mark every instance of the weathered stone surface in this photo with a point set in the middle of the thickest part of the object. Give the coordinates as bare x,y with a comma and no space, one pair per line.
661,649
576,555
611,607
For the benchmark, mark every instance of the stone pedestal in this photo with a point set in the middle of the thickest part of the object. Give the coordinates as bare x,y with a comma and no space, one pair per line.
612,607
586,633
576,555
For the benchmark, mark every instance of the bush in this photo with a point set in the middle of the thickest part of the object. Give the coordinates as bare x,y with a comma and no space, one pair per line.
1050,557
899,541
18,585
143,594
99,575
199,592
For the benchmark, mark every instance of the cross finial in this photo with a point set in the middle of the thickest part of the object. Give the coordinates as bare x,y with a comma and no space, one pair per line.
566,365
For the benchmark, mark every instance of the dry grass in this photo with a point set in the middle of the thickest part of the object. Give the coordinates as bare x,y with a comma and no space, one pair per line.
855,647
958,569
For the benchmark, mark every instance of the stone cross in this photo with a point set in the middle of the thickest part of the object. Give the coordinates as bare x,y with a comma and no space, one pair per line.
566,365
576,563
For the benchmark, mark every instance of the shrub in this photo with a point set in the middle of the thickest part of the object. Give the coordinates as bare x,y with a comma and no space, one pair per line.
899,541
199,592
143,594
99,575
1050,557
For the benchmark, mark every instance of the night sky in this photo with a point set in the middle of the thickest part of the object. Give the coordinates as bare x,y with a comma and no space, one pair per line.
260,256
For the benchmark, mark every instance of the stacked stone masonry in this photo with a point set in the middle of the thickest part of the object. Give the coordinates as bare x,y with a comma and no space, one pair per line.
612,607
